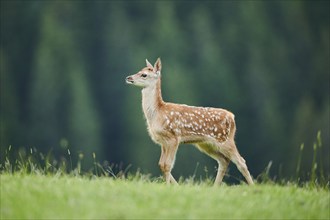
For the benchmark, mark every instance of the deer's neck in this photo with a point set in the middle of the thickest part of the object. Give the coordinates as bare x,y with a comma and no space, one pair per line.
152,100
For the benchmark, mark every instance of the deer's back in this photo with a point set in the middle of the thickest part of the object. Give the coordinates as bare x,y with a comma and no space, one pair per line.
192,124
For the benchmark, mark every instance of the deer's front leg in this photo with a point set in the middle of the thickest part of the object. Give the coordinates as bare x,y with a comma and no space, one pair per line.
167,159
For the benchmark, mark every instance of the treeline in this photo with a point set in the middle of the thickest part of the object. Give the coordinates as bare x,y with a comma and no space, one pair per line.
63,65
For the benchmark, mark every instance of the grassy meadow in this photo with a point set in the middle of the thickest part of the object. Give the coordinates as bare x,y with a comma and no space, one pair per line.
36,186
76,197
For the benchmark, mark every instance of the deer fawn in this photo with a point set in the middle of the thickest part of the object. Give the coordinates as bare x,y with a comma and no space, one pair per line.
212,130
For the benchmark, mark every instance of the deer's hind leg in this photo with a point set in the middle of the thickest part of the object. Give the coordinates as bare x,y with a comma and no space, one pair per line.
232,153
223,162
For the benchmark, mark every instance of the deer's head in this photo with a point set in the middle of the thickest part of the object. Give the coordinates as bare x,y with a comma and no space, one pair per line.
147,76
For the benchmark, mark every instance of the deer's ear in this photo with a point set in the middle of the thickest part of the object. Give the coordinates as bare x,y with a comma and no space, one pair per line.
158,66
149,64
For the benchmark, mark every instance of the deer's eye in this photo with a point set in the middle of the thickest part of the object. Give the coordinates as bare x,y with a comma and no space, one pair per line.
143,75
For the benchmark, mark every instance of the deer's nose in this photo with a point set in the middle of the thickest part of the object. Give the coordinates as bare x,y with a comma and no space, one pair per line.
129,79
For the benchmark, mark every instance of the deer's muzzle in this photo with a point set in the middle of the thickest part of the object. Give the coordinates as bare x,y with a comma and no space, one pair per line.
129,80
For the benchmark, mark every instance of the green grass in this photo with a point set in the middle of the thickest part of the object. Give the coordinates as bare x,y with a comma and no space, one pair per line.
37,186
77,197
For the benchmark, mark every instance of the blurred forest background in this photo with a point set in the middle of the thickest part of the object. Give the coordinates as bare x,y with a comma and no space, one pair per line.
64,63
